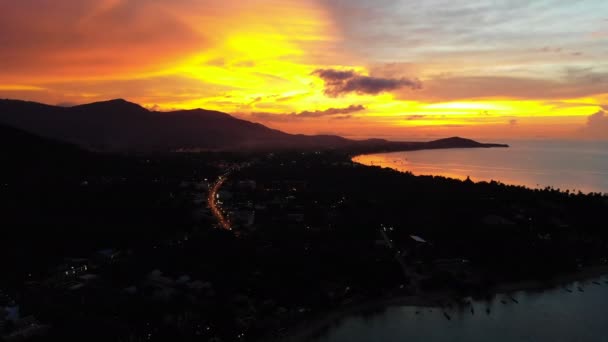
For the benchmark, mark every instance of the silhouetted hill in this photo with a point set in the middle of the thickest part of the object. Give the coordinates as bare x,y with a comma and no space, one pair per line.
16,143
24,155
124,126
459,143
121,125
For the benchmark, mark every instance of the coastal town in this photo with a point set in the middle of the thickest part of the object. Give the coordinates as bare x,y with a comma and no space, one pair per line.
303,171
263,243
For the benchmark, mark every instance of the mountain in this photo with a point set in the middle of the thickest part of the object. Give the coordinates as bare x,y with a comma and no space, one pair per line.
118,125
457,142
26,156
16,143
121,125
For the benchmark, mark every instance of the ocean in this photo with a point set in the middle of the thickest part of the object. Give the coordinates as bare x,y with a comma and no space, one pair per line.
556,315
567,165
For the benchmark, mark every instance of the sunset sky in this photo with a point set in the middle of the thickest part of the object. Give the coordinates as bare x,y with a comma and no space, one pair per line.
358,68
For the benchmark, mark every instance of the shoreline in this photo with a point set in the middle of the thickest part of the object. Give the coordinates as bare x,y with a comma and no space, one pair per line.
510,182
583,274
307,330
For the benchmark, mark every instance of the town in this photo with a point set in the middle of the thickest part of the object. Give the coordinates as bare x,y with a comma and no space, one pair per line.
230,247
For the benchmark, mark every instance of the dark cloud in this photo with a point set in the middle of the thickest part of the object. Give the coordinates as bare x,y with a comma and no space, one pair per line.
334,113
342,117
340,82
334,75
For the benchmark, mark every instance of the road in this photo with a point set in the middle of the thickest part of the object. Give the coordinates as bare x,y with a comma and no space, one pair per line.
213,205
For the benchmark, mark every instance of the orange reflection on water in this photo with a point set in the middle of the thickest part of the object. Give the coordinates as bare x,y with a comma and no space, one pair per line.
402,164
564,165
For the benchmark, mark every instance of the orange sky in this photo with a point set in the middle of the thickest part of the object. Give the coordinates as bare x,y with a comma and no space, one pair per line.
396,69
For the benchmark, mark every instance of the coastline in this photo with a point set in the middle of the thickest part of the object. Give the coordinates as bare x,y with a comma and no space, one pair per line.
513,170
583,274
307,330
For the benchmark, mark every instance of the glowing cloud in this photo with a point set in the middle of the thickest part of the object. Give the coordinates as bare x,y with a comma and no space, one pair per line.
409,67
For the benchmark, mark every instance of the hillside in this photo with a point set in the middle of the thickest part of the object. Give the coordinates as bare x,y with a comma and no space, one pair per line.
118,125
23,154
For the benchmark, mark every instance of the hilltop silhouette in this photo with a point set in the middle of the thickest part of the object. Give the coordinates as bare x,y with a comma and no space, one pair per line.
119,125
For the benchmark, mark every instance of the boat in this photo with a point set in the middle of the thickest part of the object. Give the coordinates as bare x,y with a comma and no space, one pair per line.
596,282
568,290
503,301
580,289
447,316
488,311
472,310
514,300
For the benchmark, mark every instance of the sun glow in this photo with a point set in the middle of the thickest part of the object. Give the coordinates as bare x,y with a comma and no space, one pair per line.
257,60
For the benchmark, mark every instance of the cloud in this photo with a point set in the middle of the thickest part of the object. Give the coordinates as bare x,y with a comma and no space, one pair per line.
573,84
440,26
550,49
513,122
90,37
52,40
333,113
331,75
597,125
166,91
342,117
340,82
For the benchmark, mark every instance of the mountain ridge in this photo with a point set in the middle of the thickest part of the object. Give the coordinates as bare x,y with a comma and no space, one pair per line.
120,125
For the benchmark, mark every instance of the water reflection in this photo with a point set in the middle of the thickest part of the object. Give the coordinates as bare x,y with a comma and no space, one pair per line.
575,166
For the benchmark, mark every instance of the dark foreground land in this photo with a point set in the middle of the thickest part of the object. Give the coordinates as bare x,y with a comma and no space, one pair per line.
125,248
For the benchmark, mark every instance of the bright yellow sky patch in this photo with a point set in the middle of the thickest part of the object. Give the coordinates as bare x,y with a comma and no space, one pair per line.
259,56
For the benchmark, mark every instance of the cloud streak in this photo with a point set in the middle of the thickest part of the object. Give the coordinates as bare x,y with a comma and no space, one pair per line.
340,82
451,88
334,113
